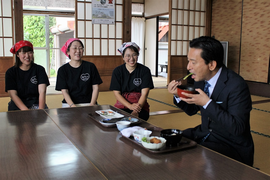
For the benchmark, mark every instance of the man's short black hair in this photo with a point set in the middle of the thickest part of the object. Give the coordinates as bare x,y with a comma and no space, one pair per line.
212,49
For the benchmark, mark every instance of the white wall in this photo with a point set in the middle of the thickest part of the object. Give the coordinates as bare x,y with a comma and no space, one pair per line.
156,7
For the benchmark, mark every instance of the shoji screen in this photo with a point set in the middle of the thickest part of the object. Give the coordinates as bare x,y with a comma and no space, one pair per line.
6,41
187,23
6,30
99,39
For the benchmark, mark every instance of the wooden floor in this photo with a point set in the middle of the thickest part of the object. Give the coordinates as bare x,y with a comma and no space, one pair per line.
165,114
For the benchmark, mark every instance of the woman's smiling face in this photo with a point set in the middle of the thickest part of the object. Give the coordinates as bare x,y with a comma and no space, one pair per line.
130,57
26,57
75,51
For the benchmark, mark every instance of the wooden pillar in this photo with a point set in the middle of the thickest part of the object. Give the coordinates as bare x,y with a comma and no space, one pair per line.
208,22
127,21
18,20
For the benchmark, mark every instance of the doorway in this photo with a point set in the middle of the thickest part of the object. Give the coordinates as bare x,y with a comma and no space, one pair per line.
156,48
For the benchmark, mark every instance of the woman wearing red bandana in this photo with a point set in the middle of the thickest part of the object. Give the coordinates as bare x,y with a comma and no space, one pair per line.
26,82
78,80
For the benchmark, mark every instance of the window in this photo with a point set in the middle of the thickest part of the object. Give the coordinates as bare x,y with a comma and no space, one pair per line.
48,30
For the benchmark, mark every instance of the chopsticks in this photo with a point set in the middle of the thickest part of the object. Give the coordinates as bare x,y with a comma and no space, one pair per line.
184,78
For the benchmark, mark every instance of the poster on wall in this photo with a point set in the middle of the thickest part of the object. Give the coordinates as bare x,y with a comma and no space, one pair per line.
103,12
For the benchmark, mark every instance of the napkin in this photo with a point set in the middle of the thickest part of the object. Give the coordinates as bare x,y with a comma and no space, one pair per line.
127,132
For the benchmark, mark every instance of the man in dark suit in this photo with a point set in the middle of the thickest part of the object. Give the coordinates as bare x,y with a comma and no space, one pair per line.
225,104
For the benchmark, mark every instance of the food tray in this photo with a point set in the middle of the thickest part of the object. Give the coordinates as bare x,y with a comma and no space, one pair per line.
99,119
184,144
109,114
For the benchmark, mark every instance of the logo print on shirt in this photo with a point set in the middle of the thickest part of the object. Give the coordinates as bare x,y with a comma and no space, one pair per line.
33,80
137,81
85,77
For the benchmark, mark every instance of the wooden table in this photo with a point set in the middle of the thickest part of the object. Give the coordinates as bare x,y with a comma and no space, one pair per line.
67,143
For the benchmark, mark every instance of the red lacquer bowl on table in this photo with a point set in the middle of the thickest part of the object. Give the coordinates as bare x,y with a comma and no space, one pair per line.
185,88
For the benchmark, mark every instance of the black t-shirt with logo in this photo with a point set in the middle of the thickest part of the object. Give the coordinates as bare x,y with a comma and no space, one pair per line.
124,81
26,83
78,81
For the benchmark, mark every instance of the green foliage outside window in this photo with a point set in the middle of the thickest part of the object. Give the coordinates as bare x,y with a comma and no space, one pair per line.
35,32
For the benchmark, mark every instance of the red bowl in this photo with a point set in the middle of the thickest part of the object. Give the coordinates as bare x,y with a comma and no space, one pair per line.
186,89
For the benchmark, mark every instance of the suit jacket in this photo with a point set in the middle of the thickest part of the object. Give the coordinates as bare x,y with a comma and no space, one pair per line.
226,118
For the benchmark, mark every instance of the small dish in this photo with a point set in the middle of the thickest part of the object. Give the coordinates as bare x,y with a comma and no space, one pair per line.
154,146
122,125
138,135
131,119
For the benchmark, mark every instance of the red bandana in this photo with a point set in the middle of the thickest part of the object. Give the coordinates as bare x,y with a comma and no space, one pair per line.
19,45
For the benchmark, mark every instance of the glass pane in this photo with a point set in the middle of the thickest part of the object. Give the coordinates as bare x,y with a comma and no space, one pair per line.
202,19
186,4
191,33
173,47
1,47
203,2
0,9
174,17
112,47
180,17
202,31
185,33
198,5
80,10
192,5
97,47
52,5
179,48
88,11
61,25
7,8
57,59
88,29
173,34
104,46
111,31
191,18
118,45
41,57
104,31
7,27
1,33
119,13
174,3
34,30
96,31
180,4
197,32
8,44
137,9
88,49
119,1
197,18
179,33
186,17
80,28
118,30
185,48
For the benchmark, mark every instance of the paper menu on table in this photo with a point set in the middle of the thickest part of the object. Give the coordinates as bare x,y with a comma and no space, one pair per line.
109,114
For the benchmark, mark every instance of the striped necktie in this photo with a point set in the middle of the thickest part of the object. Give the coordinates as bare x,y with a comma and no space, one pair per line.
206,88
